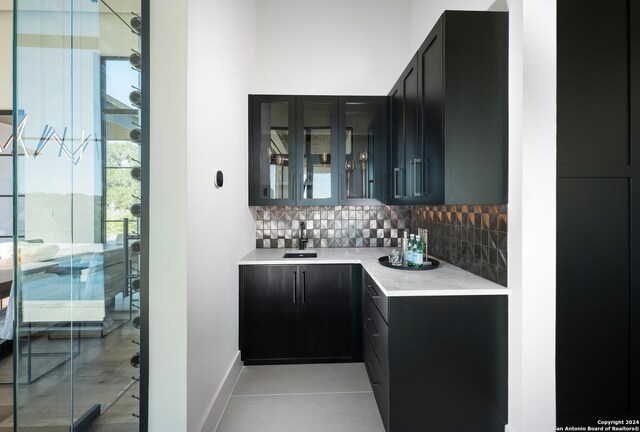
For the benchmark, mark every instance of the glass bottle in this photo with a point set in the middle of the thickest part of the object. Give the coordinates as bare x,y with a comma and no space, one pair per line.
405,249
425,243
412,245
419,250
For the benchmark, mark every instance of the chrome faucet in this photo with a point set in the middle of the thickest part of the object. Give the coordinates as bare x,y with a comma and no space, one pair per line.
303,240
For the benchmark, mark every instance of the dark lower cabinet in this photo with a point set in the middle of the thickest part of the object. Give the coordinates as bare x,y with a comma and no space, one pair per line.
325,312
269,312
298,314
436,363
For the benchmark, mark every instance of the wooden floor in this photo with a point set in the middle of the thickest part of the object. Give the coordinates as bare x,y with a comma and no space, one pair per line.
101,374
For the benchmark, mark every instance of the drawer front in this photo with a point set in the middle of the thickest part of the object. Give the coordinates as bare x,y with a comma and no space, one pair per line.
378,332
372,291
379,383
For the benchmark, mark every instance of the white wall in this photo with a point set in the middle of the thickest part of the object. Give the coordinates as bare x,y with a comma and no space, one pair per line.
425,13
6,55
202,68
221,228
332,46
532,214
168,218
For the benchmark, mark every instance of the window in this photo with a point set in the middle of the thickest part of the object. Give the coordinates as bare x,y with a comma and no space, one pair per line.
121,152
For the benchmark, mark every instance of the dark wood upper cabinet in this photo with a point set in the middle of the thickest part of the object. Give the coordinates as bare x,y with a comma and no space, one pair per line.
299,147
430,182
272,150
440,137
449,115
396,142
404,126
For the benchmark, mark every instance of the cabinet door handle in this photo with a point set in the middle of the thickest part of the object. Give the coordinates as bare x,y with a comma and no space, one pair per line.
411,177
371,328
415,175
295,283
395,183
426,176
372,292
292,186
304,286
370,374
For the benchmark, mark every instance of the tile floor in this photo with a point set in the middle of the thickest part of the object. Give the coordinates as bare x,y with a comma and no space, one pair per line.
310,398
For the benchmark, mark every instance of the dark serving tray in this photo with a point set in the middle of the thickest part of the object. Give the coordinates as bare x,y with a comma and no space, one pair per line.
431,264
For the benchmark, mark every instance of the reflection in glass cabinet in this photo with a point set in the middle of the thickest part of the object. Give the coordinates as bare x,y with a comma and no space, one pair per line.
359,132
317,150
275,139
318,145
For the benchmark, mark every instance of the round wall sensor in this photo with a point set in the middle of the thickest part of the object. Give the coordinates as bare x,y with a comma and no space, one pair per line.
219,179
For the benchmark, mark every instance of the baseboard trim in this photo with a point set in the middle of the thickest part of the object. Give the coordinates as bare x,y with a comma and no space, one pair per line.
222,396
508,428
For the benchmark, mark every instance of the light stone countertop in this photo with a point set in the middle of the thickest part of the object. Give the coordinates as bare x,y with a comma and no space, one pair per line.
446,280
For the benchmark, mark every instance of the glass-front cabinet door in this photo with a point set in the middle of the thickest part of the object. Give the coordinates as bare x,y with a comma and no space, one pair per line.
274,150
317,150
317,121
360,131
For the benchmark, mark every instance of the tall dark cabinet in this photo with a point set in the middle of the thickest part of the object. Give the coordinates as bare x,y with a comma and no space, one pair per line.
448,116
598,208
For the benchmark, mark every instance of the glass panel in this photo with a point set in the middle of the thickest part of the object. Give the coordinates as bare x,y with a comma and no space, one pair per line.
6,216
77,101
359,146
47,276
6,175
317,151
274,150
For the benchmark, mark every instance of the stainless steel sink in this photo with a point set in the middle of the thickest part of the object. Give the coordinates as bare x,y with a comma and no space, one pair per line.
296,253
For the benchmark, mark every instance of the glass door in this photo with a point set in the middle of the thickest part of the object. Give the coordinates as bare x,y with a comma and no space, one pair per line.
317,120
273,164
46,145
359,135
78,161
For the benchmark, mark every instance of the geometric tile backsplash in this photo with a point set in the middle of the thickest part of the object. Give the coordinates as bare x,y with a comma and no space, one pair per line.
471,237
